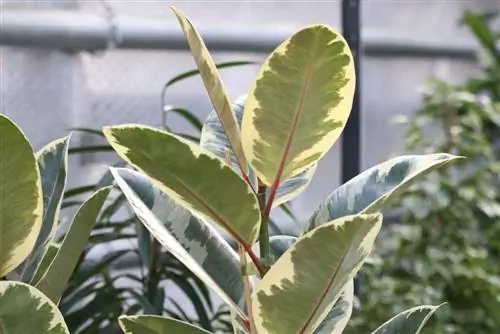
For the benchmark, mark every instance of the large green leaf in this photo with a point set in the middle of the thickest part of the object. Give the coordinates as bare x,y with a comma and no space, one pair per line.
53,165
21,200
410,321
371,190
24,309
214,139
153,324
313,271
299,104
54,281
191,240
339,315
191,176
214,85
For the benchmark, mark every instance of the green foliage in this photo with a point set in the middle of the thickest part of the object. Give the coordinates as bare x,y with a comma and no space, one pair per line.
295,285
141,291
30,200
446,245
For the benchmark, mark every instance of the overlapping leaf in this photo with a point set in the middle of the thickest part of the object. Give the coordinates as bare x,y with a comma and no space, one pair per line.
371,190
339,249
21,200
214,139
410,321
53,166
213,84
24,309
47,258
338,317
191,176
58,273
191,240
151,324
299,104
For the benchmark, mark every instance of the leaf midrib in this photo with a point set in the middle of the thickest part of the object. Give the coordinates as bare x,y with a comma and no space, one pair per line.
298,112
215,215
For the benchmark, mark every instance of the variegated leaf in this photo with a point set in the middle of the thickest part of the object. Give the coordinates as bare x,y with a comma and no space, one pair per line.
53,165
191,240
21,200
299,104
371,190
339,315
58,273
214,85
339,249
214,139
191,176
24,309
153,324
410,321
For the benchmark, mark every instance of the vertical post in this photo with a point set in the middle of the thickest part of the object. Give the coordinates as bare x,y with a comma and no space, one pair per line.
351,137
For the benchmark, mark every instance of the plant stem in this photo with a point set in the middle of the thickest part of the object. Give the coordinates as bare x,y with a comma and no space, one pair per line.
247,291
264,228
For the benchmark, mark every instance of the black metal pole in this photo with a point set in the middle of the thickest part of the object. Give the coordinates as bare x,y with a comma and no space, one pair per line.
351,137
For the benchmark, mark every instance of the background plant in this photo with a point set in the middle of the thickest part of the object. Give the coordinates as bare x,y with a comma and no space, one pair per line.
446,244
293,114
34,266
139,288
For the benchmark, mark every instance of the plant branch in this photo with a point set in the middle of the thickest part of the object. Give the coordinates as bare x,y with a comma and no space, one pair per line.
266,211
247,292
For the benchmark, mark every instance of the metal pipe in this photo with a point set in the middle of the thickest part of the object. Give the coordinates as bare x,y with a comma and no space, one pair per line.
351,136
76,31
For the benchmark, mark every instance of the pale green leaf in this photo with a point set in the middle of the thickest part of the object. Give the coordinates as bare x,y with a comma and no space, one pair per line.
46,260
191,240
21,200
299,104
191,176
214,139
53,165
153,324
54,281
371,190
410,321
214,85
339,249
24,309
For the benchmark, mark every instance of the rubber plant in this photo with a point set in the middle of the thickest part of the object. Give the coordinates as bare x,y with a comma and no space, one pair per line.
247,163
34,269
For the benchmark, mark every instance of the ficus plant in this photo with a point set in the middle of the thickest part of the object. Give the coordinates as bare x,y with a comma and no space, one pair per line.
254,155
34,267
